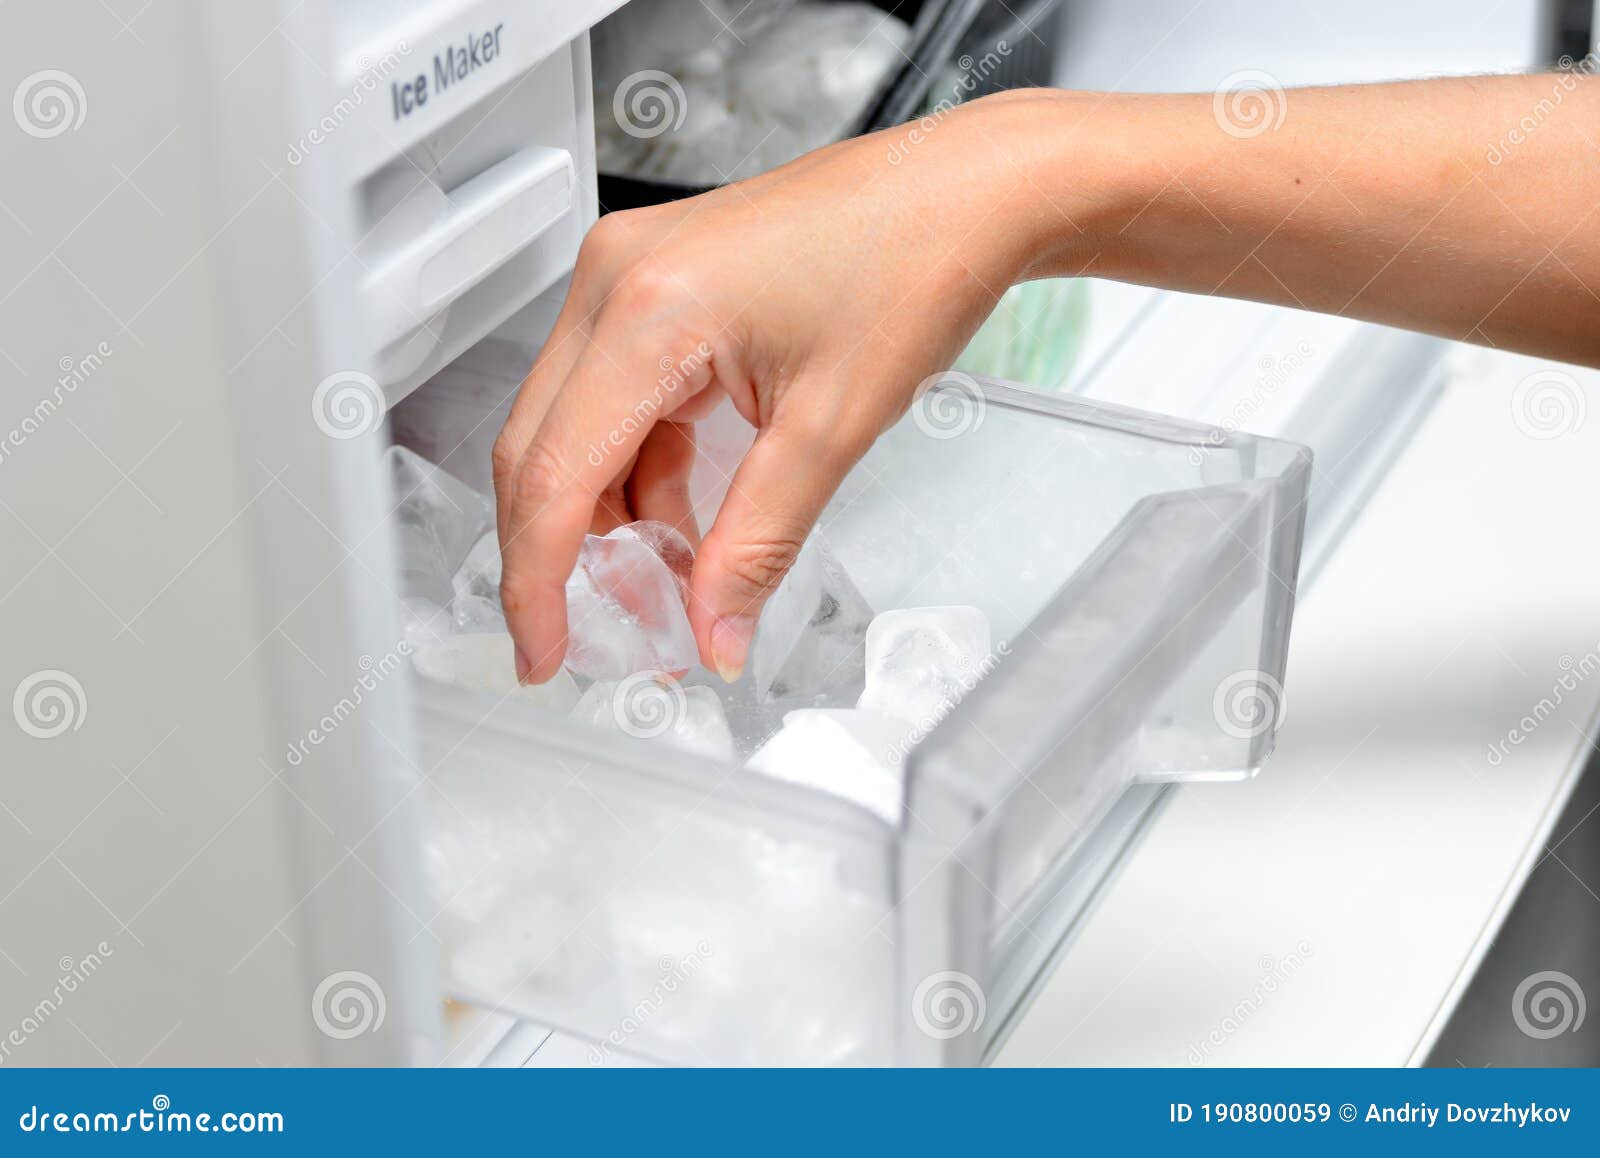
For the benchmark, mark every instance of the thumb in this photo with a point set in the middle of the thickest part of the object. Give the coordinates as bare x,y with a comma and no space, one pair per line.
777,492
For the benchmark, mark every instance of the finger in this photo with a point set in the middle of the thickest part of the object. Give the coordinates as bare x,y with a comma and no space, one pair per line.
658,486
595,422
612,510
555,361
778,491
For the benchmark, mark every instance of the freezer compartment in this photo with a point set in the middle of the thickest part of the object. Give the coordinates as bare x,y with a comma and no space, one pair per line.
1139,574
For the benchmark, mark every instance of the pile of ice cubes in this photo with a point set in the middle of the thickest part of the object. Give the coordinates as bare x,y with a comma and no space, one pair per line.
834,695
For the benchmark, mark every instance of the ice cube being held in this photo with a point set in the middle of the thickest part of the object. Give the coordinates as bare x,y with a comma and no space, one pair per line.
484,663
828,661
476,583
922,660
438,518
784,618
856,754
667,542
625,605
422,621
654,706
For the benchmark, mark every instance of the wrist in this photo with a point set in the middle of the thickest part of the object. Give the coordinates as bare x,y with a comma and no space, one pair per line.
1079,171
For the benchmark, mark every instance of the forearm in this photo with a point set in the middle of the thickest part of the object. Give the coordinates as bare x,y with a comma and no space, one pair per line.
1410,204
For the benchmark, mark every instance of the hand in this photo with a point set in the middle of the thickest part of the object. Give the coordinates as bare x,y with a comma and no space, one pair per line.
817,297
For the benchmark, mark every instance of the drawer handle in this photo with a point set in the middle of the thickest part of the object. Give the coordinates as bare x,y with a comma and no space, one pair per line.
490,217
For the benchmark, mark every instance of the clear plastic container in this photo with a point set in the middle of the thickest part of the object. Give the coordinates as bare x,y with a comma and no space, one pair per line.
1139,574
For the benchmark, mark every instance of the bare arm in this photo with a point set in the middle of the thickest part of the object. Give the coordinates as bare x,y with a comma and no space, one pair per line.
1468,208
818,296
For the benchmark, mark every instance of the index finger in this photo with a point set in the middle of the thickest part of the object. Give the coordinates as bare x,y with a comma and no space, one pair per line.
594,426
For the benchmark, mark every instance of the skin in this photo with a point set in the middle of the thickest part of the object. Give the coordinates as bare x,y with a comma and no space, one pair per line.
818,296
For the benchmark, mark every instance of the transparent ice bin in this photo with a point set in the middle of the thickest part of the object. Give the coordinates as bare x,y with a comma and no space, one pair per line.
1139,573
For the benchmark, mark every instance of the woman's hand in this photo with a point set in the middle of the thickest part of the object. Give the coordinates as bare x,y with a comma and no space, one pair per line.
817,297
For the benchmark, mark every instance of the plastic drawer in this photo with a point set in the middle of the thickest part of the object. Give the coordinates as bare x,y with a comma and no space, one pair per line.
1140,576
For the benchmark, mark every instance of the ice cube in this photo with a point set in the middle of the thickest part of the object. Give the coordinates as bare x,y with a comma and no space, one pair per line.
846,751
784,618
475,615
484,663
667,542
479,573
437,519
653,707
828,661
423,621
625,606
922,660
476,606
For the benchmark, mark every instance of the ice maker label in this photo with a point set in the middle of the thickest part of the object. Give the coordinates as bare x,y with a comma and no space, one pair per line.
451,65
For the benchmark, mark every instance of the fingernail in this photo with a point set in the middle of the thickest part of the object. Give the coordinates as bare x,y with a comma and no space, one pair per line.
524,666
730,642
